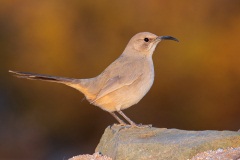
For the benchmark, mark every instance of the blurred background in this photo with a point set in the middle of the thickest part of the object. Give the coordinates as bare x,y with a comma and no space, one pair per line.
197,82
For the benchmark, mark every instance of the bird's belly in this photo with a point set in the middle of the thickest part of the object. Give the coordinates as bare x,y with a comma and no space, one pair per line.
126,96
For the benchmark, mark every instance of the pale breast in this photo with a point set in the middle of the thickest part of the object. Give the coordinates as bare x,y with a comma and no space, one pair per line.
139,89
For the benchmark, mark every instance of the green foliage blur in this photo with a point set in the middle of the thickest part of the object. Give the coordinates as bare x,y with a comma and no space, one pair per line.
197,81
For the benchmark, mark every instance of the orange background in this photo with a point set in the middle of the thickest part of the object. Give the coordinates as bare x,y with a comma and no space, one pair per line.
197,81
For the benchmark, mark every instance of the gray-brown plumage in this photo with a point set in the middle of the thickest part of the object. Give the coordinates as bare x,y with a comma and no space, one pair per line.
123,83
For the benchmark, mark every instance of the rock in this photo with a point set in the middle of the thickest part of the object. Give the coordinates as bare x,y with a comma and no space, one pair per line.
122,143
95,156
229,153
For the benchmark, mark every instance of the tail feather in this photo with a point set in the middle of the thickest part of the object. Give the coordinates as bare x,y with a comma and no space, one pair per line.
34,76
79,84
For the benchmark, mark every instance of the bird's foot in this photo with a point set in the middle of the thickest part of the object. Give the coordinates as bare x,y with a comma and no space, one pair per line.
121,126
134,125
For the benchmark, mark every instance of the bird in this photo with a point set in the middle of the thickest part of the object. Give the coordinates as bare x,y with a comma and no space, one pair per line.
122,84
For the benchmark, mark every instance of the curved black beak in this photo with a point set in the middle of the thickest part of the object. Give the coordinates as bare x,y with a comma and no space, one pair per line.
167,38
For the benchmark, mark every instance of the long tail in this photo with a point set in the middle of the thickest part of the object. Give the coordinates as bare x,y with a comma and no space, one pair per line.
34,76
79,84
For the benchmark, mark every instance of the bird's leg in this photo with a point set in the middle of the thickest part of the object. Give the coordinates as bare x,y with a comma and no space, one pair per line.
118,119
128,119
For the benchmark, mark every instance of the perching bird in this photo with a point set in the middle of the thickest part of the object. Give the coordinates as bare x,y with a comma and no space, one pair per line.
123,83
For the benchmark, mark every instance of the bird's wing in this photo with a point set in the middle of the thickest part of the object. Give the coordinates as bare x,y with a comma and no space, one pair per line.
114,84
119,77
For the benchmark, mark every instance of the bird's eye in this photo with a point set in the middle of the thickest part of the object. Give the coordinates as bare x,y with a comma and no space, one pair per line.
146,39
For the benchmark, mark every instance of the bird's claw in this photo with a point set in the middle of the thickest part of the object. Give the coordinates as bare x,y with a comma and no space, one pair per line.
141,125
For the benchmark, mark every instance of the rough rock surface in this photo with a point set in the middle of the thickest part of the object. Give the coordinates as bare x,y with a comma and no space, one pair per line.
95,156
162,144
220,154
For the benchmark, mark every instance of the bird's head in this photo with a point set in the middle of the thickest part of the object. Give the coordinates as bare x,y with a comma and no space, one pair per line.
145,42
